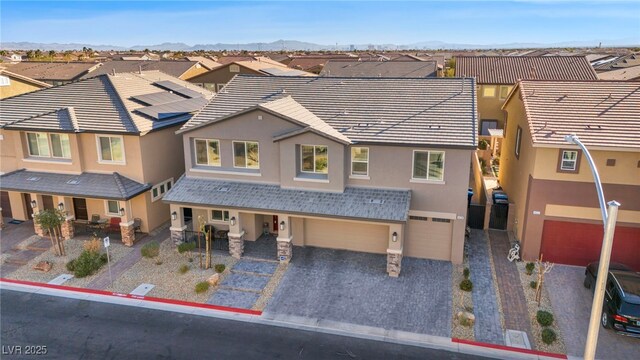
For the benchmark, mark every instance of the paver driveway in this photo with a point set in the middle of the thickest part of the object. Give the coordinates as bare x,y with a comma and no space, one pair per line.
354,287
571,303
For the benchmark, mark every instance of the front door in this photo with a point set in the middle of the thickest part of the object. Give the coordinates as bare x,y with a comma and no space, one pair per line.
275,223
80,209
27,204
47,202
5,204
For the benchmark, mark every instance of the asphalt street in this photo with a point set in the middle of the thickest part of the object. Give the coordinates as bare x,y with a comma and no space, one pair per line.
80,329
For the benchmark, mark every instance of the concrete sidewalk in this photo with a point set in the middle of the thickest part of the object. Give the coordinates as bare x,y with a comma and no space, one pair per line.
286,321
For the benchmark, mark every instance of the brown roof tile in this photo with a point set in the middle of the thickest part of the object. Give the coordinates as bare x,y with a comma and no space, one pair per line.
48,71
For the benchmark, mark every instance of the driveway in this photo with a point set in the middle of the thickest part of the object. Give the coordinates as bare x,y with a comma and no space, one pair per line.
354,287
571,303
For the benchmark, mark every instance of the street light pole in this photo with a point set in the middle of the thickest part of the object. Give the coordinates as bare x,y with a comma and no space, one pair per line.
609,219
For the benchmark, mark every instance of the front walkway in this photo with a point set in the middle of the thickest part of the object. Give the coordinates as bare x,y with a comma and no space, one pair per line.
514,303
353,287
263,248
246,282
488,327
13,256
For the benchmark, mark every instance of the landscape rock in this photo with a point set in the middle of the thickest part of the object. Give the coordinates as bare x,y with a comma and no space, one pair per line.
43,266
214,279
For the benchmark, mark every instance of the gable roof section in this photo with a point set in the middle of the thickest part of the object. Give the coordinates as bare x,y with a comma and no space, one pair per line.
430,111
408,69
601,113
52,70
63,120
628,73
175,68
509,69
26,79
619,62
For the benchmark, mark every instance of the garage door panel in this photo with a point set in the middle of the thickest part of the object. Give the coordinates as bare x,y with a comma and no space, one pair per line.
428,239
345,235
576,243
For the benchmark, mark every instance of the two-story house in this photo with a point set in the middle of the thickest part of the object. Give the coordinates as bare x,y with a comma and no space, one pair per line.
103,146
378,165
550,181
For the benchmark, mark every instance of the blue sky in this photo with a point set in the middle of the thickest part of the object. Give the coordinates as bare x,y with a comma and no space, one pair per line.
127,23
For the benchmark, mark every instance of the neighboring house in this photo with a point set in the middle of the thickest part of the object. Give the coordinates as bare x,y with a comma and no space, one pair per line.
12,84
496,76
209,63
54,73
217,78
631,73
104,146
315,63
180,69
619,62
550,181
340,163
408,69
139,57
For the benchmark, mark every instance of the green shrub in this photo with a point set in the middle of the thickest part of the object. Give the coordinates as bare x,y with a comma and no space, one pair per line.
529,267
201,287
548,336
466,285
186,247
71,265
544,318
466,272
219,268
183,269
150,250
87,263
483,144
533,284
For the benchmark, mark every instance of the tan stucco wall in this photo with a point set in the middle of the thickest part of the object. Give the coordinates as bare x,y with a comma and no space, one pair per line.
489,108
8,160
17,87
195,70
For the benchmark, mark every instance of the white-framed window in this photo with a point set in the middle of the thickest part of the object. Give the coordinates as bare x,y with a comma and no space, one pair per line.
110,149
219,215
314,159
504,91
569,160
518,142
234,68
158,191
112,207
246,154
488,91
360,161
49,145
428,165
207,152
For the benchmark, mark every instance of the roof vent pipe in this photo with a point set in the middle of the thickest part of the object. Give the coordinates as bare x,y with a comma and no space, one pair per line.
114,72
140,69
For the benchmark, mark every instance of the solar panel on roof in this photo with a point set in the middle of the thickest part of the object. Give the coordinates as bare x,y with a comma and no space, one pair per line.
170,85
165,111
158,98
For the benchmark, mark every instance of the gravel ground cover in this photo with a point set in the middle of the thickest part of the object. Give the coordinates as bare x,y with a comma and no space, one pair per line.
28,241
545,304
74,248
271,287
461,301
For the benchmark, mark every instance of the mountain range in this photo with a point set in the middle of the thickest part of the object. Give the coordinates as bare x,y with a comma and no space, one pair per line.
301,45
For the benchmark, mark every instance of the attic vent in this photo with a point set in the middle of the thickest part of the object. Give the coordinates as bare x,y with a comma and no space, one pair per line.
223,189
376,201
73,182
33,178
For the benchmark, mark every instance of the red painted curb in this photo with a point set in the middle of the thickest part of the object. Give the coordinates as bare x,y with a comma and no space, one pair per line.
129,296
508,348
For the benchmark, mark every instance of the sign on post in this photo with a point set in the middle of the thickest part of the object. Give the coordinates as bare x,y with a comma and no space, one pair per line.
106,242
106,246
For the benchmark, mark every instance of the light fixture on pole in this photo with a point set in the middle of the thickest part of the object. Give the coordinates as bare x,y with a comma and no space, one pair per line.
609,220
33,204
281,225
174,216
232,220
121,212
61,206
394,236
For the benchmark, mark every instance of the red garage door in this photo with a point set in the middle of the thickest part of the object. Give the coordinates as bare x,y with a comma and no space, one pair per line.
579,243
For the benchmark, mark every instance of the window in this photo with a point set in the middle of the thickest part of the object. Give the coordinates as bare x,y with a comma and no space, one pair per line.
246,155
113,207
428,165
504,91
360,161
207,152
160,189
486,125
49,145
234,68
518,141
111,149
220,87
569,159
220,215
314,159
210,86
611,162
488,91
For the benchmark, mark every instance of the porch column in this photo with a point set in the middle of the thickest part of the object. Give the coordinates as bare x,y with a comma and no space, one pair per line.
36,210
236,234
67,229
177,226
394,251
1,220
285,238
126,224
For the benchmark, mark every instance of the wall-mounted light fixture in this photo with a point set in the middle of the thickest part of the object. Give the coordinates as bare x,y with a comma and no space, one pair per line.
174,216
281,225
33,204
61,206
121,212
232,221
394,236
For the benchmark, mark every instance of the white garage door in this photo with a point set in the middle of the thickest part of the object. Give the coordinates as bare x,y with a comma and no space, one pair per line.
428,238
346,235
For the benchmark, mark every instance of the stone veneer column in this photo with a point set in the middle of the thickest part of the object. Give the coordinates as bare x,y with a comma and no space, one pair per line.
236,244
394,262
1,220
128,233
67,229
285,249
37,228
177,235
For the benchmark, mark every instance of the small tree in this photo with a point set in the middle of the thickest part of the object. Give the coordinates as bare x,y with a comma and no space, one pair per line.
51,221
202,229
541,268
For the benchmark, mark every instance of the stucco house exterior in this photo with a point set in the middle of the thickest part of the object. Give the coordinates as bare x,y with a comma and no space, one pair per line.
378,165
102,146
12,84
550,181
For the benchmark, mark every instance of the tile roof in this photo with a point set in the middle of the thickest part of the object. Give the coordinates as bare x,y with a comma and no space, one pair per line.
601,113
44,71
619,62
29,80
102,186
628,73
100,104
429,111
272,68
509,69
175,68
408,69
207,62
354,203
309,62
